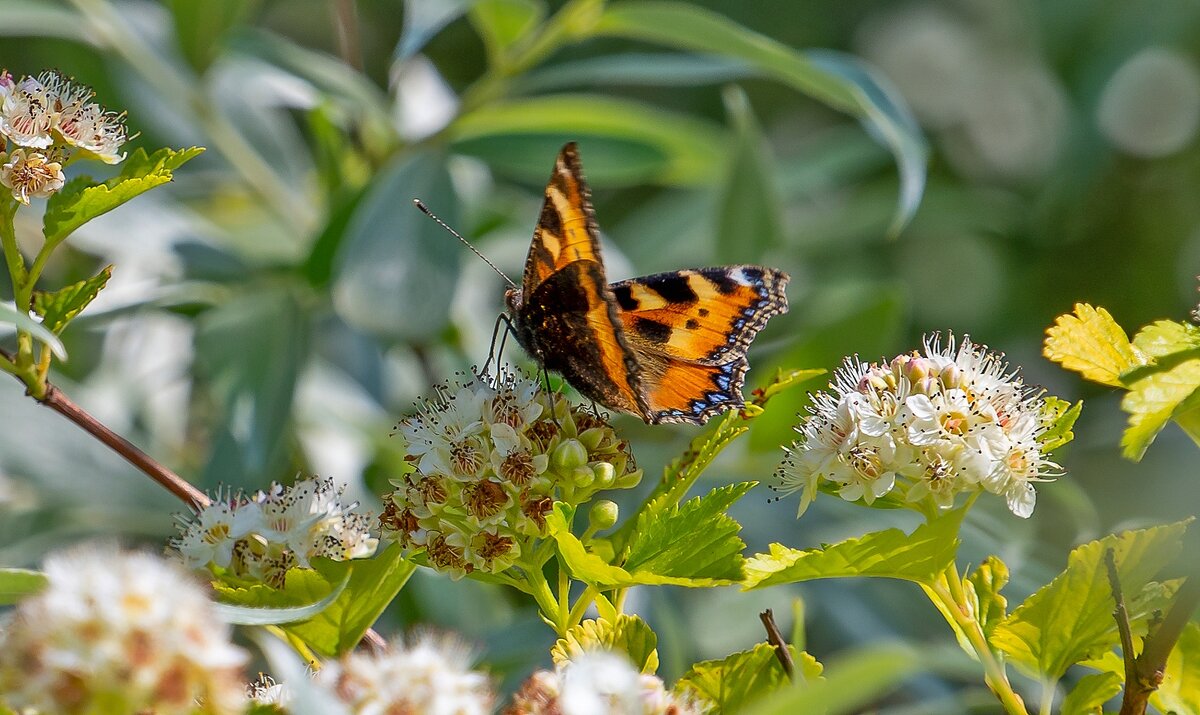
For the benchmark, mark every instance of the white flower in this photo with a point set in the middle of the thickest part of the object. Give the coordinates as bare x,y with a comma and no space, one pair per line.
431,676
26,115
119,632
91,128
937,424
599,683
264,535
265,691
483,478
31,174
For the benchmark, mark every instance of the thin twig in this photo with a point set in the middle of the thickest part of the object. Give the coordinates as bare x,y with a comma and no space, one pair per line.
1121,615
1157,646
346,22
775,638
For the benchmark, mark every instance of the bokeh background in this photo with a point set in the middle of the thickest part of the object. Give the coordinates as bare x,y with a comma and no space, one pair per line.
282,304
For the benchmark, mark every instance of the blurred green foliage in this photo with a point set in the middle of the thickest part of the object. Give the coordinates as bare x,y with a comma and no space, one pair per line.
278,307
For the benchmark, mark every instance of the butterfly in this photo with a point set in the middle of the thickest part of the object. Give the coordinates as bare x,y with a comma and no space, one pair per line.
669,347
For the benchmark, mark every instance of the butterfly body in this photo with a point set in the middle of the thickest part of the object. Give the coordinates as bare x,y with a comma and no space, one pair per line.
669,347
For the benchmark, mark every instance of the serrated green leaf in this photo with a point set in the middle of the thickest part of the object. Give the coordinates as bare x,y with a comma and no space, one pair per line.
60,307
848,685
917,557
1070,619
1090,693
16,584
840,82
1154,399
734,682
1059,417
625,634
694,540
81,201
10,315
503,23
1164,338
692,151
985,583
1180,689
1089,342
298,583
373,584
590,568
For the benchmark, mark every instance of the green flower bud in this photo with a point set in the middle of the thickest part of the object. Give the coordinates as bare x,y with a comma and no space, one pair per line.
582,477
629,481
568,455
605,473
603,515
591,438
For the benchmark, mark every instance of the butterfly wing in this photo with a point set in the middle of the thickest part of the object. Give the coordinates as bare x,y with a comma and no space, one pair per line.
566,317
689,331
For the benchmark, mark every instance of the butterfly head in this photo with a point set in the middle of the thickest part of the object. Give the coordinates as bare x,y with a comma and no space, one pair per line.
513,300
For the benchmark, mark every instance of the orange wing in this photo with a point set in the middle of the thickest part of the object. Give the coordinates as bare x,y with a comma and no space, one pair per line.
689,331
566,229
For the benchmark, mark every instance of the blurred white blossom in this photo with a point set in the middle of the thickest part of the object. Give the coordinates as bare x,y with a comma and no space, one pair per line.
599,683
431,676
1150,107
117,632
929,426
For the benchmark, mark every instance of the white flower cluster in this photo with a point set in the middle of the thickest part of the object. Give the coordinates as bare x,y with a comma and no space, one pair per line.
432,675
599,683
262,536
490,459
118,632
45,117
930,426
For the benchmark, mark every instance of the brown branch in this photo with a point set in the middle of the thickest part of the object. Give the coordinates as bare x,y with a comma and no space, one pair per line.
775,638
1157,646
1121,616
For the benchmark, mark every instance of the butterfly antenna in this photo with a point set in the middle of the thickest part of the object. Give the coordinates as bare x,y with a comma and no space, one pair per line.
425,210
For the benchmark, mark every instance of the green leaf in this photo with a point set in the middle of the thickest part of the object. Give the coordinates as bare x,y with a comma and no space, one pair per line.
1070,619
60,307
1154,399
849,685
839,82
16,584
694,540
1167,338
658,69
749,221
1090,693
590,568
396,272
10,315
1089,342
983,587
503,23
918,557
81,201
299,585
1180,689
1059,417
734,682
250,351
199,27
24,18
373,585
691,151
626,634
422,20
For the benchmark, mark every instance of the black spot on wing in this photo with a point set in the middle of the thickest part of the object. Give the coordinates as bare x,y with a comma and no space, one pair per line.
692,324
652,330
703,312
721,279
624,296
674,288
550,220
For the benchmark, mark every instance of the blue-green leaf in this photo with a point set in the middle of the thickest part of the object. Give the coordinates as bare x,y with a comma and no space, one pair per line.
274,615
9,314
422,20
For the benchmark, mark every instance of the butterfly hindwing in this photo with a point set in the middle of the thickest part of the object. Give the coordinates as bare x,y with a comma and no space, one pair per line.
705,315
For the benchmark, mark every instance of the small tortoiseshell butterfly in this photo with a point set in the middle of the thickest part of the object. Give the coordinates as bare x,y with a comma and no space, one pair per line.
668,348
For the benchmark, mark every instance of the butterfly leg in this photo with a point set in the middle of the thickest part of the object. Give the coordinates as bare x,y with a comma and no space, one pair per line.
498,355
551,394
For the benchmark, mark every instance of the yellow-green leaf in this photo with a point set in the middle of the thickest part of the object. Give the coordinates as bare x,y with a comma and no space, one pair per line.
60,307
891,553
627,634
1090,342
1164,338
1154,399
1090,693
1070,619
16,584
733,682
1180,689
1059,417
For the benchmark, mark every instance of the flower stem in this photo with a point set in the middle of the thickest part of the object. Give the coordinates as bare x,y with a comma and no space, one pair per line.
1047,704
954,600
539,588
586,599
